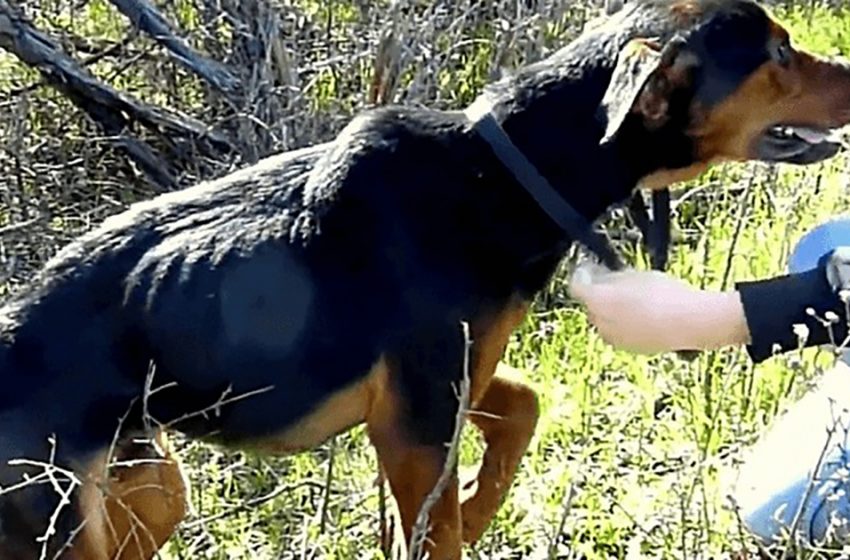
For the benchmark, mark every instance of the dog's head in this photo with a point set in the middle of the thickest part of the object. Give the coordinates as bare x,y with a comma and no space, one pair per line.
726,77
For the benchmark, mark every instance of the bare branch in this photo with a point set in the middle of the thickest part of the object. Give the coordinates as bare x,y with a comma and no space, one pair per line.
253,503
420,528
146,17
112,110
215,408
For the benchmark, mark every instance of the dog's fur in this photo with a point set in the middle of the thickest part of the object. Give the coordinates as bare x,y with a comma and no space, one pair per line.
327,286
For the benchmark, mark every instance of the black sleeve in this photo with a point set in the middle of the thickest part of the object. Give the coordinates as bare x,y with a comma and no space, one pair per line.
772,307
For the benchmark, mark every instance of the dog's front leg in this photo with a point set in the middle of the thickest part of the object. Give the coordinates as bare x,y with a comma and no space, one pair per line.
507,415
410,422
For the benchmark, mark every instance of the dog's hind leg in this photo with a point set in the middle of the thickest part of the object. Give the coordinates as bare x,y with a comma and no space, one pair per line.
506,415
131,512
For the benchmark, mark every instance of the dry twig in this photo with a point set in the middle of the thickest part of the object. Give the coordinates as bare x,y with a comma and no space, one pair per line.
420,527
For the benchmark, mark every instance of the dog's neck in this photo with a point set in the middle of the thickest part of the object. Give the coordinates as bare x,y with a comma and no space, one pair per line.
550,110
563,143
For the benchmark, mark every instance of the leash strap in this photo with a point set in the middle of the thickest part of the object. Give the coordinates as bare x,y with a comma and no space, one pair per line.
659,232
655,230
527,175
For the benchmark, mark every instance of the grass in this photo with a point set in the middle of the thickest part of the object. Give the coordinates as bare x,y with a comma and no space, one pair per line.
633,455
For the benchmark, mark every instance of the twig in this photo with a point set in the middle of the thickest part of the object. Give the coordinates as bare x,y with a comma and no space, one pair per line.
810,487
215,408
420,527
49,472
326,493
386,530
69,542
135,525
736,509
146,17
250,504
568,505
388,56
19,226
743,208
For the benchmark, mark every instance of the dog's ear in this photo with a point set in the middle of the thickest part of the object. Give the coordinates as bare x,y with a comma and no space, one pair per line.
645,77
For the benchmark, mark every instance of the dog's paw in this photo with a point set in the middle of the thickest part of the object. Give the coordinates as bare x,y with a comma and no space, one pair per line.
838,269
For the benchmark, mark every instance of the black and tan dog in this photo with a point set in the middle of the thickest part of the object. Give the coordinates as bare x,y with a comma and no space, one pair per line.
329,285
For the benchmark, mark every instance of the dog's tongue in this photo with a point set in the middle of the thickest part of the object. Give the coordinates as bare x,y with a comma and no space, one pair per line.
811,135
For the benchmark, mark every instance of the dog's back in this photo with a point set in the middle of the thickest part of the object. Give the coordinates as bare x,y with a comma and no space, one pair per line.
167,284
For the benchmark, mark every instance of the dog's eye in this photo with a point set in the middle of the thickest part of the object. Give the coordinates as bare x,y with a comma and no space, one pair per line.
782,53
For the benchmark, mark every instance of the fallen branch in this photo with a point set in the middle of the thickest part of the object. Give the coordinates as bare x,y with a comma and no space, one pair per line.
112,110
145,17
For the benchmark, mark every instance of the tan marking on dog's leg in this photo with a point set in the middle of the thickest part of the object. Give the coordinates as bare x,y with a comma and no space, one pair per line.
131,514
507,416
412,471
489,339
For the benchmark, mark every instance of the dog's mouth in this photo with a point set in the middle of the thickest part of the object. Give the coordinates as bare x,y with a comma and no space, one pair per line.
799,145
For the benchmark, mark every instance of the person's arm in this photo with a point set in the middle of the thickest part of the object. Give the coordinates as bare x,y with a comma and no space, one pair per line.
716,319
650,312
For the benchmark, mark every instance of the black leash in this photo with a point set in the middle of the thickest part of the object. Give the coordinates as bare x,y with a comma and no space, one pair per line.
656,237
573,223
655,230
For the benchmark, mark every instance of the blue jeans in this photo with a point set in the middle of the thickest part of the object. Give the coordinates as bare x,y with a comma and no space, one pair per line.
801,469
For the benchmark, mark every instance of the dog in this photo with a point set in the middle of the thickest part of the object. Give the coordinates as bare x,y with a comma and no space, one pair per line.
334,285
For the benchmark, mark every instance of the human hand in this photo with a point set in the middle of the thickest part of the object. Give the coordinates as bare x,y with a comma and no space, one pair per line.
650,312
